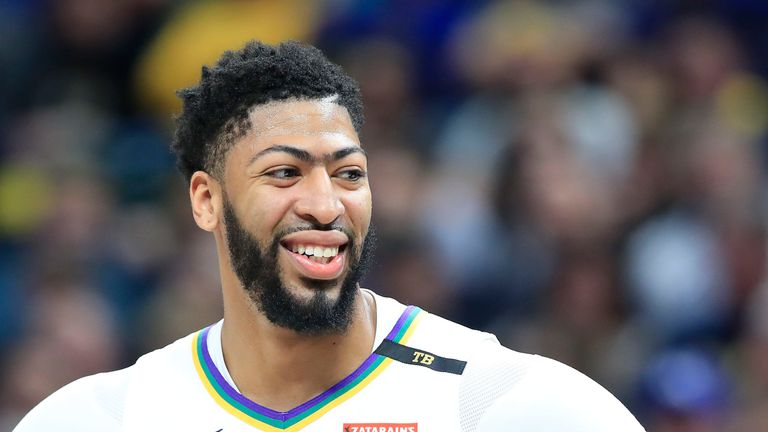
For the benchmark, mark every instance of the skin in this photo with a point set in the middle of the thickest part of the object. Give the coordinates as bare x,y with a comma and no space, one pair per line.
271,189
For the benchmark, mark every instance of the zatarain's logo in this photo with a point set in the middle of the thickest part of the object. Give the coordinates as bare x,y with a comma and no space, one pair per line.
381,427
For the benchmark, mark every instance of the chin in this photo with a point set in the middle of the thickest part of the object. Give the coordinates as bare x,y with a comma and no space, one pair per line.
307,288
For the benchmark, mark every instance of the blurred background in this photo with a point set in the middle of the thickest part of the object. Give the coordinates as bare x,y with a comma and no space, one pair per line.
585,179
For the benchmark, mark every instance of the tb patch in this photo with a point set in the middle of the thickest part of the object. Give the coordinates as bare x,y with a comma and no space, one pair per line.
408,355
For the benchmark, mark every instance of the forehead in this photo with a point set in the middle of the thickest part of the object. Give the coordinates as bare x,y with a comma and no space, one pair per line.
301,118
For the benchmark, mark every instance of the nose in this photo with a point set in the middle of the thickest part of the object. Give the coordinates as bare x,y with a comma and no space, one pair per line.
319,202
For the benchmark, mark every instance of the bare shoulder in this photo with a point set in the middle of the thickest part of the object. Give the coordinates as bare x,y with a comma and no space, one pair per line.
90,404
538,393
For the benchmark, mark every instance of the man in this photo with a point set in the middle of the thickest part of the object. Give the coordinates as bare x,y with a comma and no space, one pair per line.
268,142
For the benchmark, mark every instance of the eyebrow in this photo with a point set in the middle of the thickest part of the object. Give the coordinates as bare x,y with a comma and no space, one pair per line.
306,156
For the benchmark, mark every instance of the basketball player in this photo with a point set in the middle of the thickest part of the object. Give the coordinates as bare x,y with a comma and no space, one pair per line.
268,142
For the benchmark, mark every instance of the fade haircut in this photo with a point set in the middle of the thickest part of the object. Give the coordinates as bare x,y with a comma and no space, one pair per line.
215,112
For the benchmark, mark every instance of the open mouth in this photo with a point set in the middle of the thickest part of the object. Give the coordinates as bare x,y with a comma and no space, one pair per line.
317,261
318,254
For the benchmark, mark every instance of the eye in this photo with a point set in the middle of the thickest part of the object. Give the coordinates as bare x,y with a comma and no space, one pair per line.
283,173
352,175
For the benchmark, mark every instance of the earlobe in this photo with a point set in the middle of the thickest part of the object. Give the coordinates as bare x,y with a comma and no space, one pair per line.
203,195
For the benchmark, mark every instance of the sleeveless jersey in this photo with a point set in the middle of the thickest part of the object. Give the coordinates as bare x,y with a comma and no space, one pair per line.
424,374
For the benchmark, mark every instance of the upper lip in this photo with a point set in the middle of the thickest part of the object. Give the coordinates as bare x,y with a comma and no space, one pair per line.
316,238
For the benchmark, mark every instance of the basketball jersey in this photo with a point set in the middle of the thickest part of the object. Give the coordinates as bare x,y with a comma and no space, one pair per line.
424,374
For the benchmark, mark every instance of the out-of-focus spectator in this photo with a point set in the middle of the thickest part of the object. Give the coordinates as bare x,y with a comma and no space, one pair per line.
71,335
686,390
585,179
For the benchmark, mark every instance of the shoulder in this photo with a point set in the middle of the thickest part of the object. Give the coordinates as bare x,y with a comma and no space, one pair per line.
500,387
97,402
170,356
431,332
447,338
536,393
93,403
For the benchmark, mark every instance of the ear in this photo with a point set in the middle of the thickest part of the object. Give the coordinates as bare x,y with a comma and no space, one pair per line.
205,196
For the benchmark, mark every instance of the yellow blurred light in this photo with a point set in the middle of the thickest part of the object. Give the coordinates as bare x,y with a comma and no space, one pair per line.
202,31
25,199
742,104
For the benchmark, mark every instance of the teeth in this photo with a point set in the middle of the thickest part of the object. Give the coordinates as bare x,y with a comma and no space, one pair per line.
316,251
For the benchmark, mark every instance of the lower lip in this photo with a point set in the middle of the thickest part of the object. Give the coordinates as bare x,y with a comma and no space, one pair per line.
315,270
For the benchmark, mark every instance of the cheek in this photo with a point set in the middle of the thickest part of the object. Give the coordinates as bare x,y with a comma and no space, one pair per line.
267,212
359,209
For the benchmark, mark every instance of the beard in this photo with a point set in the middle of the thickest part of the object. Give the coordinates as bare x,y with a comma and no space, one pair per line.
259,272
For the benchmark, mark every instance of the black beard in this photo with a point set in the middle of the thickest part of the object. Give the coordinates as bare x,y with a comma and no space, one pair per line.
259,272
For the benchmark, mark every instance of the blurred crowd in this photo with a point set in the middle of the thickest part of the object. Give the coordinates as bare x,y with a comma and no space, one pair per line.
585,179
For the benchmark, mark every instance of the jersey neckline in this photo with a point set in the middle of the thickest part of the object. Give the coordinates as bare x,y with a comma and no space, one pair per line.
296,418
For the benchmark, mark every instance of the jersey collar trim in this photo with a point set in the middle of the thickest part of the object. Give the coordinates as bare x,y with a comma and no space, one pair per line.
262,417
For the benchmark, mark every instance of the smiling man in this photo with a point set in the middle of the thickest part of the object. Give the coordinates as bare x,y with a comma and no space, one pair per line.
268,142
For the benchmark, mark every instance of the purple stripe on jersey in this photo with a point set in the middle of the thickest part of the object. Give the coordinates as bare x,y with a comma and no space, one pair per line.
400,322
341,384
284,416
224,385
351,377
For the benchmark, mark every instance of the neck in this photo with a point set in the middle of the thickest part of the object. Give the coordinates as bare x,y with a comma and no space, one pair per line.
282,369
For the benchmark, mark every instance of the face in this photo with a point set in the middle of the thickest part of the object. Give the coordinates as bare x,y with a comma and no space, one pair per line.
297,208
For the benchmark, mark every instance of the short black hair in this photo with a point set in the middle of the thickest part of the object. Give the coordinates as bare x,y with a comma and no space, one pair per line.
215,112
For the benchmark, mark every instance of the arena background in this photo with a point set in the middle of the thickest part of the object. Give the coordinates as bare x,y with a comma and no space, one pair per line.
585,179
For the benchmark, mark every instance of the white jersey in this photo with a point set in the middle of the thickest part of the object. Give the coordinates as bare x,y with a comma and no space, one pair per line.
425,374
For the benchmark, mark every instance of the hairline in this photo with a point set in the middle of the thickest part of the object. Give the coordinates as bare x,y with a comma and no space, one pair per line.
236,128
